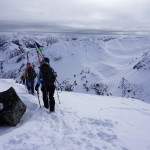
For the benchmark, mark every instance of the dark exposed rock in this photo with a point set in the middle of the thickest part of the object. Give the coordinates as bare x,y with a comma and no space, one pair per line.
16,52
144,63
10,74
99,88
13,107
16,42
29,45
131,90
20,58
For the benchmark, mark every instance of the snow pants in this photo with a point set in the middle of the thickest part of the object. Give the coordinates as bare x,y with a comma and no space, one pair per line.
30,86
48,97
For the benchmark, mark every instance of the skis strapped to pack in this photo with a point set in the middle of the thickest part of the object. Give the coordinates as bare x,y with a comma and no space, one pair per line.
39,53
27,58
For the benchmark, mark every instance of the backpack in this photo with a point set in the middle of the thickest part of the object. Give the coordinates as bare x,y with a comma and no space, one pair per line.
31,73
48,77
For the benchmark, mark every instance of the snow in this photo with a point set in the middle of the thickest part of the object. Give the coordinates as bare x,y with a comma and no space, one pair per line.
86,59
81,121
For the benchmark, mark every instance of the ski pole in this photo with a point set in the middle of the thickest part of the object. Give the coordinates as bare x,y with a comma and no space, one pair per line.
38,98
26,89
57,82
59,85
57,94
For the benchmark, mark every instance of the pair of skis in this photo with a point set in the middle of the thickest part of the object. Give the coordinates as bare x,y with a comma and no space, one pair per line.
39,54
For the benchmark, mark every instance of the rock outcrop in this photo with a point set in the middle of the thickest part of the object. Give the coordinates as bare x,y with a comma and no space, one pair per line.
13,107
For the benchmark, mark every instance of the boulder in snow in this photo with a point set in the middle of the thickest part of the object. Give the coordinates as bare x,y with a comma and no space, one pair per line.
13,107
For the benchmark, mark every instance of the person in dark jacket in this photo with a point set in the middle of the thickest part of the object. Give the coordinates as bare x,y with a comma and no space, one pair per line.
46,78
29,76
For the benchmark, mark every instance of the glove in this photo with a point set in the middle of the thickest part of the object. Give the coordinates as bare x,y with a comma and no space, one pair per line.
55,74
37,87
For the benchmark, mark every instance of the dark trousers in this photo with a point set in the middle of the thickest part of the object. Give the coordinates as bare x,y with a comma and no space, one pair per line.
48,96
30,85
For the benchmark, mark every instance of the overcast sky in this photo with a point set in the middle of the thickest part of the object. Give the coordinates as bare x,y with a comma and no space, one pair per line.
80,14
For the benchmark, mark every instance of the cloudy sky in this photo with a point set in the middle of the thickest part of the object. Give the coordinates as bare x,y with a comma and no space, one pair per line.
56,15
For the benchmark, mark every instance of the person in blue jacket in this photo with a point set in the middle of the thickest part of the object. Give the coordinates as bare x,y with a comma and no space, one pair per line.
47,77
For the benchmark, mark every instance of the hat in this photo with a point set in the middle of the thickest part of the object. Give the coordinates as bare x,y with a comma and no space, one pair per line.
29,65
46,59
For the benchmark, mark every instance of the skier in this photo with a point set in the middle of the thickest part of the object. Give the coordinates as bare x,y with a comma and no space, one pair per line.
29,76
46,78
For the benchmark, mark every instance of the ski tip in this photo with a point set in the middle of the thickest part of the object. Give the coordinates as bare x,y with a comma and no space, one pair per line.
39,49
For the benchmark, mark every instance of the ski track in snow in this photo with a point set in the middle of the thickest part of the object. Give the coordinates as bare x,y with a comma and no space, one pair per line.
61,130
74,133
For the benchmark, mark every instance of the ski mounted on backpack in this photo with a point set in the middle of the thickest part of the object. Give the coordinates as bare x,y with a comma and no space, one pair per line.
39,52
27,58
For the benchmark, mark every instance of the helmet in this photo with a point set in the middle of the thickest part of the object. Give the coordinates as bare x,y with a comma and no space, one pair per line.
29,65
46,59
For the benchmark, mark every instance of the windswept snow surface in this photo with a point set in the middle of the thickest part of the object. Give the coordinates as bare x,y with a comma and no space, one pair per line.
81,122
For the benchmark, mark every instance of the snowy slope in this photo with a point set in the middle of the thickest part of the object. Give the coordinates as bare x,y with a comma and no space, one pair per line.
81,121
94,64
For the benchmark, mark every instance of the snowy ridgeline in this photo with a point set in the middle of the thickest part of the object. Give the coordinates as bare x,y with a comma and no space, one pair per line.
81,121
93,64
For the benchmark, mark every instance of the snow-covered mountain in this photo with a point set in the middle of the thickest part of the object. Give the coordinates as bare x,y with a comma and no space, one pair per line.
94,64
81,121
